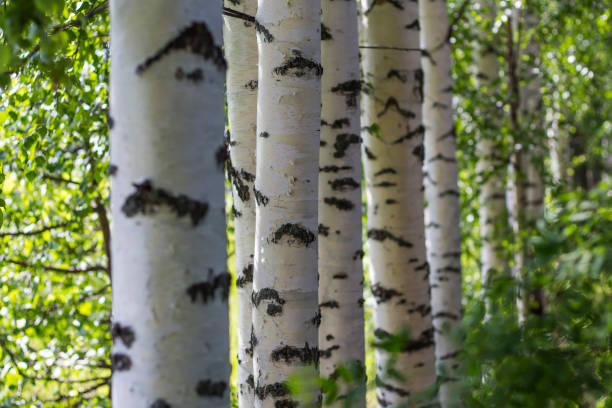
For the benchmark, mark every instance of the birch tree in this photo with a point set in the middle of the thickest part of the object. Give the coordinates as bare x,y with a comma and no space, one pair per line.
393,159
285,303
170,286
442,194
493,213
240,44
341,335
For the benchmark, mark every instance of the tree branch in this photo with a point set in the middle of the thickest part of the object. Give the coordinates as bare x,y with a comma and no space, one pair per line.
458,16
237,14
94,268
106,232
34,232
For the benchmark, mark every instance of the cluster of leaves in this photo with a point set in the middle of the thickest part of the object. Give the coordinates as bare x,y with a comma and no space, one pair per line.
562,358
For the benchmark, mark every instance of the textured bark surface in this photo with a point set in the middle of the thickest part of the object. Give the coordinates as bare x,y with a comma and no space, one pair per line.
240,44
170,285
491,165
442,194
393,159
341,335
528,161
285,303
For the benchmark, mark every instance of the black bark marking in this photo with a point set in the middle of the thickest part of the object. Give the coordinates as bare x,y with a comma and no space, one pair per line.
285,404
252,343
265,33
221,156
425,340
369,153
333,169
332,304
300,234
388,387
419,78
445,315
419,152
381,235
329,337
250,381
290,354
110,121
343,142
449,269
235,178
208,388
124,333
386,170
359,254
344,184
382,294
298,65
450,355
245,277
206,290
360,302
327,353
392,102
235,212
441,157
439,105
112,170
411,133
195,76
451,255
160,403
433,225
399,74
325,33
322,143
350,90
275,307
196,39
253,84
451,133
453,193
340,203
390,201
316,320
323,230
341,275
384,184
338,123
147,198
120,362
415,25
423,310
260,198
264,134
275,390
395,3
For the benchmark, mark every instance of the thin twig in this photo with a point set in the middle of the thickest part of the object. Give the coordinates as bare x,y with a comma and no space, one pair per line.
106,232
238,14
94,268
34,232
458,16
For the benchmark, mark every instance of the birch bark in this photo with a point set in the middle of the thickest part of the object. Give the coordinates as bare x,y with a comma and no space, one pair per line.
341,334
170,286
240,42
442,194
393,159
493,209
285,312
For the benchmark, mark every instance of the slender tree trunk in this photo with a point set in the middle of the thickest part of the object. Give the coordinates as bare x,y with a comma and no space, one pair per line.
393,160
442,194
285,312
170,285
240,43
491,164
341,335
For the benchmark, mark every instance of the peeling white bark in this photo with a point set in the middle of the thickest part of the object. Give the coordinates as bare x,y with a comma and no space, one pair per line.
285,312
393,161
442,194
170,285
240,44
341,336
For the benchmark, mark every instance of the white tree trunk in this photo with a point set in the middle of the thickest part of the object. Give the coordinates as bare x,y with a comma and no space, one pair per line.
393,160
285,312
170,285
240,44
442,194
341,335
493,212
